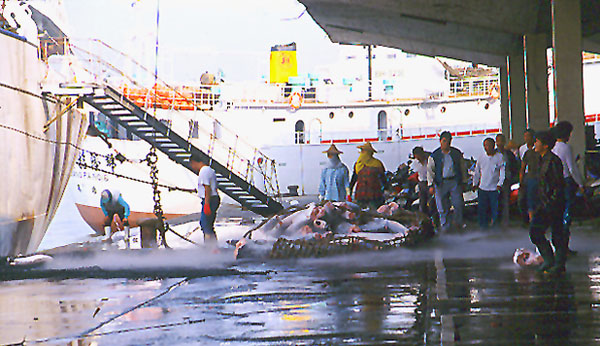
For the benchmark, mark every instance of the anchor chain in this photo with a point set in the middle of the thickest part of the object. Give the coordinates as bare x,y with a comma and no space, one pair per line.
151,160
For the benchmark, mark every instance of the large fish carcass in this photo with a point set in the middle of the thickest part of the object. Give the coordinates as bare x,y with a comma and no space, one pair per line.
330,228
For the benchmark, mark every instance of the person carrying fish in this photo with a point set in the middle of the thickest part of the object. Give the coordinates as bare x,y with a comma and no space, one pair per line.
335,182
115,209
207,191
446,177
550,208
369,178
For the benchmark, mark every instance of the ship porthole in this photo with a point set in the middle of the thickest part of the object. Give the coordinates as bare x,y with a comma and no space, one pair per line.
487,106
443,109
331,115
407,112
350,114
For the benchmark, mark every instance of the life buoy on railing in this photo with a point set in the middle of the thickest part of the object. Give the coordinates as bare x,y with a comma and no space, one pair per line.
295,100
495,91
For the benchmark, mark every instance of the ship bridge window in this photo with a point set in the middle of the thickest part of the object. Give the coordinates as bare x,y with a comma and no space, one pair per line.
299,132
382,125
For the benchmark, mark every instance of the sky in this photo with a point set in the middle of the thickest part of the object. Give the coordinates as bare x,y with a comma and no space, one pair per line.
196,35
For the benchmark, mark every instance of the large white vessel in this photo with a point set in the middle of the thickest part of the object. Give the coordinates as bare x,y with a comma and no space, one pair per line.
289,125
38,132
283,128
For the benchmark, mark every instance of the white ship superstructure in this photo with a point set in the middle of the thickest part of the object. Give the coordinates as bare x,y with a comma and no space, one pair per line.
291,124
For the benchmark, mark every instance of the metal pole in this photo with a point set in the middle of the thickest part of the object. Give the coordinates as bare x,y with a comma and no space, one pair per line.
370,72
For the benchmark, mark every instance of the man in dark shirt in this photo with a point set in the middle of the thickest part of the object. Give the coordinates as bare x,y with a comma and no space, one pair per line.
528,182
511,173
550,207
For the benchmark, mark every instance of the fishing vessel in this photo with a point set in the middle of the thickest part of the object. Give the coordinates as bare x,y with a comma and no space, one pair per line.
280,128
39,132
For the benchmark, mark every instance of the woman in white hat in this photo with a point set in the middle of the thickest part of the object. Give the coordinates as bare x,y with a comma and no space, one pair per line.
369,177
335,182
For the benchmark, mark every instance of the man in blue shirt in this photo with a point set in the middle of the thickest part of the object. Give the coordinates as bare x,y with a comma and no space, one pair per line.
113,204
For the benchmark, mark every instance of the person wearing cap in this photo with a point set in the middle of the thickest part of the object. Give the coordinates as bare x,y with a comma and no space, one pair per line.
369,177
550,207
113,205
419,165
446,177
574,181
207,191
335,183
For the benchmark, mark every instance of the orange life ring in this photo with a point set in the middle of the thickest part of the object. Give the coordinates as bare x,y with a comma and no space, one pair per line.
295,100
495,91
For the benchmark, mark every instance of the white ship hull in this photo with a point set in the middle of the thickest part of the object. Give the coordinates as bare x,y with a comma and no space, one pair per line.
297,164
35,169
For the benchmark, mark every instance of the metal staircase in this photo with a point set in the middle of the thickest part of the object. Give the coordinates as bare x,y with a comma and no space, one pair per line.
114,105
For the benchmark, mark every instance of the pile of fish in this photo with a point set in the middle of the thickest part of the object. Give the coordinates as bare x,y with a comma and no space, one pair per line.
330,228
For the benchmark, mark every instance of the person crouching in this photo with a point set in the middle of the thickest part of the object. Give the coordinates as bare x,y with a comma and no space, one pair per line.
115,209
487,180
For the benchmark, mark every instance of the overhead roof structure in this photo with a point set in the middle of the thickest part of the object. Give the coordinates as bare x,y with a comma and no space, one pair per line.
481,31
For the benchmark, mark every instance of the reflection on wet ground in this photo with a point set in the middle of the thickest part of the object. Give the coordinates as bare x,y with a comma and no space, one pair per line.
397,297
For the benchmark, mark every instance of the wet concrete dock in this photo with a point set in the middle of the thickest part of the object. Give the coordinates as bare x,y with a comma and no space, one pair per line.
461,289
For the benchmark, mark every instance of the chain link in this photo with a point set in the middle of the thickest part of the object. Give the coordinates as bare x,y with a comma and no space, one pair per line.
151,160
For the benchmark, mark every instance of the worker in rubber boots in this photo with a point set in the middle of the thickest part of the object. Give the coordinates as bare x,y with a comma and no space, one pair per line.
207,191
550,207
115,210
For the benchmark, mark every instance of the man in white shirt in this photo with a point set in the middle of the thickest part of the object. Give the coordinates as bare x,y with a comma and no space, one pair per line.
419,165
573,178
207,191
488,180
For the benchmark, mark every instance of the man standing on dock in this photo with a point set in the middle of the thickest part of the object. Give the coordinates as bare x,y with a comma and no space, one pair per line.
446,176
550,208
488,180
573,179
207,191
511,170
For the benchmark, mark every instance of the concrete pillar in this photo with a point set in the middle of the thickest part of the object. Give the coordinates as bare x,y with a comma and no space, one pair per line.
567,65
516,96
536,64
504,102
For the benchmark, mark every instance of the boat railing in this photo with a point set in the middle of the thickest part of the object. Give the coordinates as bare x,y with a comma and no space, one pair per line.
475,87
104,65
